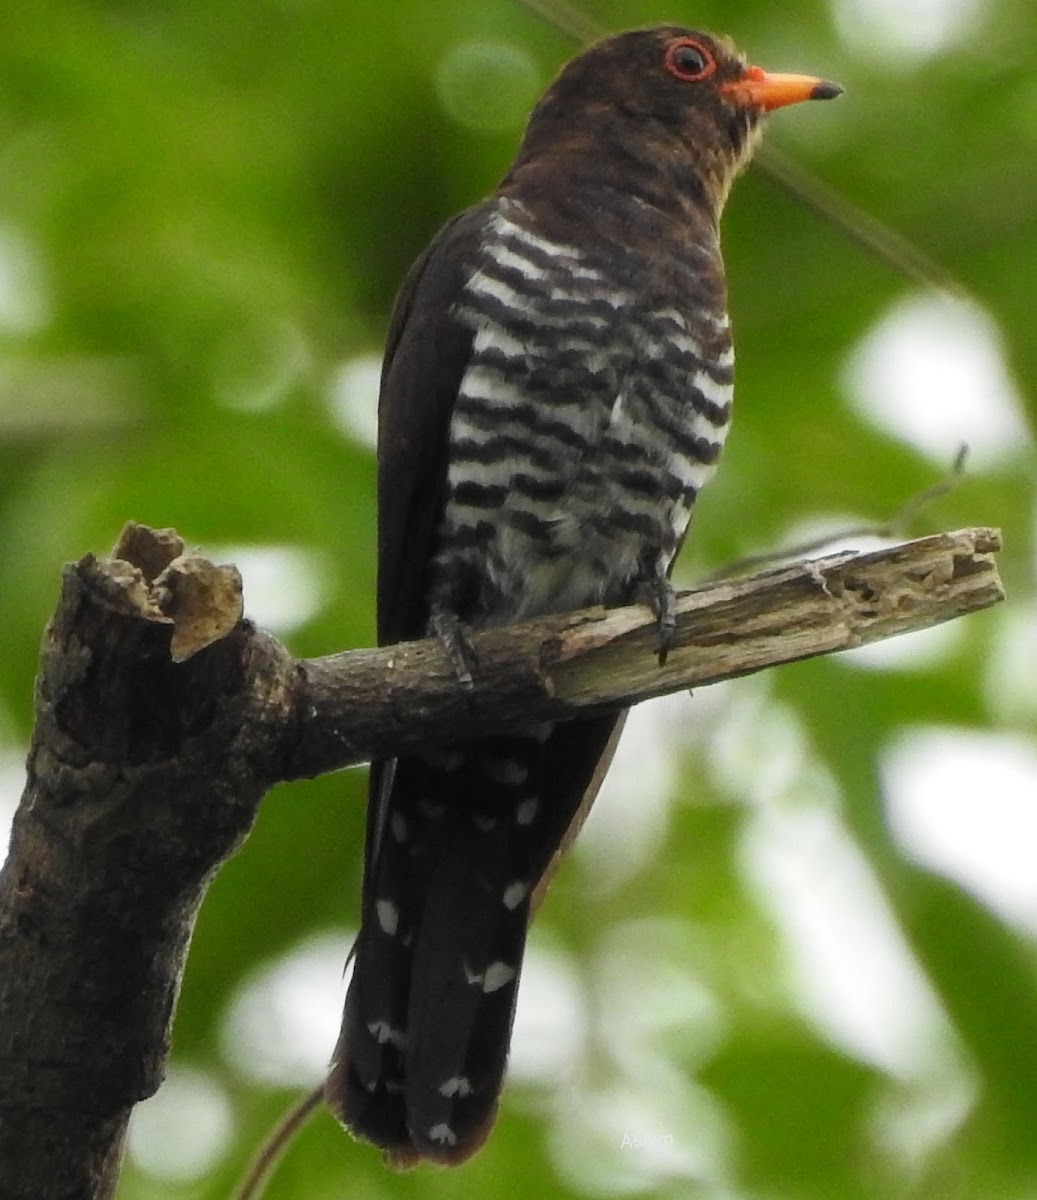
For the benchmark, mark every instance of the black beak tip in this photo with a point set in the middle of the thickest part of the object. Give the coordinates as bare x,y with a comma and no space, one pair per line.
826,91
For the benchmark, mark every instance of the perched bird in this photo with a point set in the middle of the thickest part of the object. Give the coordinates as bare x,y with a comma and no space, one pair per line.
556,390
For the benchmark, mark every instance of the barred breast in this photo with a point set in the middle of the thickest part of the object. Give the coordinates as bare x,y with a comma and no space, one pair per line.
588,419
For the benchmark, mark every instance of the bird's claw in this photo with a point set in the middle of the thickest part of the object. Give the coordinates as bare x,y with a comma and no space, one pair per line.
658,593
663,600
667,628
453,637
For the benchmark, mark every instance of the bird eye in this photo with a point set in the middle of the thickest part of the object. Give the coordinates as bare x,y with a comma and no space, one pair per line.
689,60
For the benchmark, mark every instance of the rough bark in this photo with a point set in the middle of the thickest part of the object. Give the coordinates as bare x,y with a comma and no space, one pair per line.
162,718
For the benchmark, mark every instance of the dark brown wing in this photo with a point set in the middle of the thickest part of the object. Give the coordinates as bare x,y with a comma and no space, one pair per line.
426,354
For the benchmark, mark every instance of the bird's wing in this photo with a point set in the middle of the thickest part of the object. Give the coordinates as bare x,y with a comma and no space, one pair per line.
427,351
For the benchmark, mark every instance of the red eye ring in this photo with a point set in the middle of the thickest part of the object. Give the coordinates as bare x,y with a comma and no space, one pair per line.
696,66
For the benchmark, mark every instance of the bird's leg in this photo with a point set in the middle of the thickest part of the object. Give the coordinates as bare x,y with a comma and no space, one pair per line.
453,637
656,590
663,601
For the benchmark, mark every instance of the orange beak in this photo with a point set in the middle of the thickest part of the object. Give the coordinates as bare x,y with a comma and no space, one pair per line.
761,89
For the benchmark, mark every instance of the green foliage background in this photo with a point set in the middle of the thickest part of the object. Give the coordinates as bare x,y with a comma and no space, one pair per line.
220,200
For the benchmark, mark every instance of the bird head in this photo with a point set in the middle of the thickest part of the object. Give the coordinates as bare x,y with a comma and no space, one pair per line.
683,102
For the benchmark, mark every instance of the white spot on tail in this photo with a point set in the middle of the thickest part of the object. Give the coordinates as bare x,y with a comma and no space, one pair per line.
443,760
388,916
383,1033
398,826
527,810
505,770
514,894
497,975
483,823
443,1134
457,1085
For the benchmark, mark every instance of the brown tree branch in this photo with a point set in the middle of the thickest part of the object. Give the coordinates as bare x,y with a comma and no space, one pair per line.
162,718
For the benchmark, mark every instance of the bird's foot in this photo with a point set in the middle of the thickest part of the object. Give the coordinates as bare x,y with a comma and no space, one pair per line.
453,637
664,605
660,595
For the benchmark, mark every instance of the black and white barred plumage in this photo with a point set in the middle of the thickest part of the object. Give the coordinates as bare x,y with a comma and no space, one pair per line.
587,419
556,391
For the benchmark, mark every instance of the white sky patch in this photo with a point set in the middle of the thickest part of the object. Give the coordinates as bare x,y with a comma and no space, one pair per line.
910,651
932,373
964,803
353,398
855,975
831,533
284,586
909,30
628,820
758,748
638,1022
282,1025
183,1131
12,784
550,1020
624,1117
641,1132
1010,685
908,1123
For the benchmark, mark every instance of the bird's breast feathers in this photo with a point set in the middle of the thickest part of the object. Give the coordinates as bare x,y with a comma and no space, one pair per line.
588,417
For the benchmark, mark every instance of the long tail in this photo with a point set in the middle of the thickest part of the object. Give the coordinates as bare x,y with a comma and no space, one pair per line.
459,842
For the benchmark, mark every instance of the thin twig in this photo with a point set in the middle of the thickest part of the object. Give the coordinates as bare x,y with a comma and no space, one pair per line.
895,527
275,1143
859,226
568,18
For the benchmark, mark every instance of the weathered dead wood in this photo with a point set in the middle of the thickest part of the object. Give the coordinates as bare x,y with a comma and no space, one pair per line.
162,718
